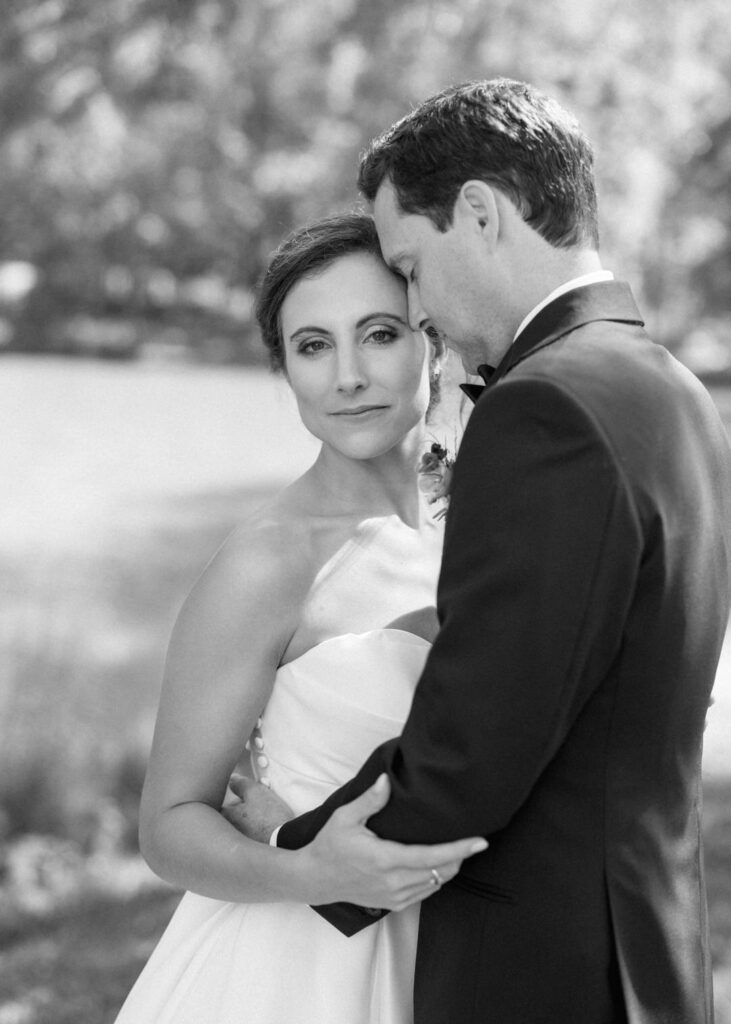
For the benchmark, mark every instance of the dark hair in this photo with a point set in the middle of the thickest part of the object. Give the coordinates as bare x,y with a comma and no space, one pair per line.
503,132
305,252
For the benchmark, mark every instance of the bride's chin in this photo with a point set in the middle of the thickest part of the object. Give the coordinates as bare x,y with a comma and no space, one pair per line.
366,445
364,449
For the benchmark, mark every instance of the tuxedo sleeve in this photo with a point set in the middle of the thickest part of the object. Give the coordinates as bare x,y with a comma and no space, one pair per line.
541,555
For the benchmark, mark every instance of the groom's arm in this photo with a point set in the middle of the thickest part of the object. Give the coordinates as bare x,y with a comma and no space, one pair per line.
540,560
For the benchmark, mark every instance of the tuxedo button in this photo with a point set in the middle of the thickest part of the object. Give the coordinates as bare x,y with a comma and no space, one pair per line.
258,743
374,911
262,761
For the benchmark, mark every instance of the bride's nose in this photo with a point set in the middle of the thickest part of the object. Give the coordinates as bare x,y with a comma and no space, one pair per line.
351,376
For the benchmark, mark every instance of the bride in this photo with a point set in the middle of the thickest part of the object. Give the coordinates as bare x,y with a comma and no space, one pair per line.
307,633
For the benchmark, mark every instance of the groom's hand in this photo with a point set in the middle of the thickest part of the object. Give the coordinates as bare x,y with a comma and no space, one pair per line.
258,811
351,864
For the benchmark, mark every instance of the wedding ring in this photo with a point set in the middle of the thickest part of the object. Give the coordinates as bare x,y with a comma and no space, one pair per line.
436,879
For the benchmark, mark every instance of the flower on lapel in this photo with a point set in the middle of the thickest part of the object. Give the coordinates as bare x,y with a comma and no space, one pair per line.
435,472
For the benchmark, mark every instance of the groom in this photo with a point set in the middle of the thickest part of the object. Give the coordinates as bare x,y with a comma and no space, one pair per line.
583,597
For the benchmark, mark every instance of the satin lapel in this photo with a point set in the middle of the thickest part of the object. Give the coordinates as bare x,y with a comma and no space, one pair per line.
607,300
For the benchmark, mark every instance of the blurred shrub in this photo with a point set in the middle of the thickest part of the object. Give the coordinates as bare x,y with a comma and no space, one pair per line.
31,799
153,153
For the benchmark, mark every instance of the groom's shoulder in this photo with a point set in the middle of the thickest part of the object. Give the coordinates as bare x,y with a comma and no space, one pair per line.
610,379
608,367
595,353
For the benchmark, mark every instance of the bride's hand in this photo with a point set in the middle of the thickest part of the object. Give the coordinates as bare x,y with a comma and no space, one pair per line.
350,863
258,811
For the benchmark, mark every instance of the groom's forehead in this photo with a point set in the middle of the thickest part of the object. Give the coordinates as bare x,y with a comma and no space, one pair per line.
395,231
385,207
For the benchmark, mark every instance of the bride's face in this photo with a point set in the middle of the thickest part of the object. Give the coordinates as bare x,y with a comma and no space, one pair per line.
359,373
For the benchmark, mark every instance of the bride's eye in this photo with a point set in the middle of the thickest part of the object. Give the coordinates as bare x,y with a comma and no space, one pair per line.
311,347
381,335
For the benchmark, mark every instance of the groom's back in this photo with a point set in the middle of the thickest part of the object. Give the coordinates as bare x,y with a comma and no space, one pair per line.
637,743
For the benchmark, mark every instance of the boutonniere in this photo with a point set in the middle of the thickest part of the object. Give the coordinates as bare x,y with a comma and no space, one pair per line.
435,473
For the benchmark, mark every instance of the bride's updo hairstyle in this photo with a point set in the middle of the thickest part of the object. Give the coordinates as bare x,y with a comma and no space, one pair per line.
306,252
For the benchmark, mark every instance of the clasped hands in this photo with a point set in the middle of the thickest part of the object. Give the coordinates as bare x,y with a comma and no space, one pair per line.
347,861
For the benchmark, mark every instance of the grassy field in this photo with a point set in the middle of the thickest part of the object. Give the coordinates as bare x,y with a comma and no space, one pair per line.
120,482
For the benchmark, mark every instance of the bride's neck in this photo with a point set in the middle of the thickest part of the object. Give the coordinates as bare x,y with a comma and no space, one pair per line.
384,486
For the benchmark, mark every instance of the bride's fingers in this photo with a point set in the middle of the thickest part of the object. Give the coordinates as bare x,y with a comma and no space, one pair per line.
416,893
417,885
240,785
407,883
407,886
437,856
444,853
444,873
435,878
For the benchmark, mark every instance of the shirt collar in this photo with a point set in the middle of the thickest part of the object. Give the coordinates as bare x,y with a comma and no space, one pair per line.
575,282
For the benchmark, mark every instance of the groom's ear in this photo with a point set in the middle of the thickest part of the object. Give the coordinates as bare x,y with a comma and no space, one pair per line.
478,208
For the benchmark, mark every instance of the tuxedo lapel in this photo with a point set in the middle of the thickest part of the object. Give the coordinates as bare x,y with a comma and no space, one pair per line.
606,300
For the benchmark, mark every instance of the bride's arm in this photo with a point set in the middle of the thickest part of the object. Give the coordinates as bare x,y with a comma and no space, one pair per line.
220,668
222,660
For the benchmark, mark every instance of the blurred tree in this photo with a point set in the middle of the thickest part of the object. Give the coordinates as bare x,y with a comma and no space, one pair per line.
153,153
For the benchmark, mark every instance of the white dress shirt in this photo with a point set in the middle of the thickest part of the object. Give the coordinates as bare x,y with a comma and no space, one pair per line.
575,282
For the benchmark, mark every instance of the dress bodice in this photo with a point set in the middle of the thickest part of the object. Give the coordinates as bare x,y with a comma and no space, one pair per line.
275,962
331,707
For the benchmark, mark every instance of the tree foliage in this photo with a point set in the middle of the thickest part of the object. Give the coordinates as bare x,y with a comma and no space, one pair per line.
152,153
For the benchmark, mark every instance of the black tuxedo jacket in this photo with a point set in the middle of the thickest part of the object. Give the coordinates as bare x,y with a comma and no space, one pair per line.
583,600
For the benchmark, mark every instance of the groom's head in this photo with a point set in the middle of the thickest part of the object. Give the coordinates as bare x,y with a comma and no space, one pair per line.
474,190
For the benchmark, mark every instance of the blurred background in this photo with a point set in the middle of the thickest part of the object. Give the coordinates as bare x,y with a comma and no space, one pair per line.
151,155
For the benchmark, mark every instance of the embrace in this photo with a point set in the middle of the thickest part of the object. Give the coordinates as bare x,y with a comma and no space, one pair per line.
476,738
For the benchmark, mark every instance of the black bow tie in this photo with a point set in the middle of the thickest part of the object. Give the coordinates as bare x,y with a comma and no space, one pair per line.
473,391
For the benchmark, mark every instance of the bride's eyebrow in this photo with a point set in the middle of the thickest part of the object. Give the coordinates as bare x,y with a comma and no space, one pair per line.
381,316
309,329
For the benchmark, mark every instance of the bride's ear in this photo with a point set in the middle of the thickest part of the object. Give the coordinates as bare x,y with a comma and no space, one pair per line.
478,209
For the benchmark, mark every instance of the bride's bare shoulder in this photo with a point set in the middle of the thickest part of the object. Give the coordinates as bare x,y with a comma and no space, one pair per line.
270,548
260,575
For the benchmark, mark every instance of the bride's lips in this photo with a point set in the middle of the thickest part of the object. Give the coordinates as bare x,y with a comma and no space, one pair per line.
359,410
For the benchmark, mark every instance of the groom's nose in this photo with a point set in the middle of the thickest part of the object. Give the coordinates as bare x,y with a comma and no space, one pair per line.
418,320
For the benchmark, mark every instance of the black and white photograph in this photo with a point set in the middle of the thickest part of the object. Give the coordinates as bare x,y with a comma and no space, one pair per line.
365,533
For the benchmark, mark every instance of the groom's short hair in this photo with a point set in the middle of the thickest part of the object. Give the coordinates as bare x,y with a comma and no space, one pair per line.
500,131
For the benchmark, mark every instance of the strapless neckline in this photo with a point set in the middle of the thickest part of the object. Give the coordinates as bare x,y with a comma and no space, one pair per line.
328,710
391,631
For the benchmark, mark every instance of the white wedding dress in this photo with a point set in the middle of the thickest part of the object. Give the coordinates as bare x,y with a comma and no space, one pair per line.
281,963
